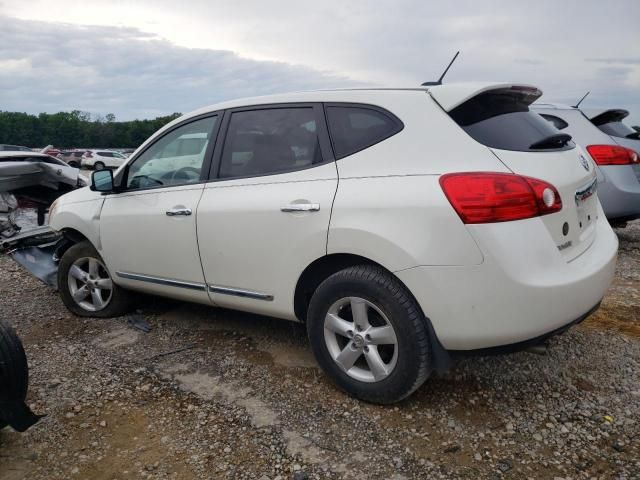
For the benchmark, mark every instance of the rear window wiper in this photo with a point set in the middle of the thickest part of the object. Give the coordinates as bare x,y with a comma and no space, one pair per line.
634,136
557,140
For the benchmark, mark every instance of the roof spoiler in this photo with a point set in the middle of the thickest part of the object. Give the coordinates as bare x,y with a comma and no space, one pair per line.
608,116
452,95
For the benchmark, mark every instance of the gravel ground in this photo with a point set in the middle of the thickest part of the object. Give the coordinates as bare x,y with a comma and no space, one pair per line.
210,393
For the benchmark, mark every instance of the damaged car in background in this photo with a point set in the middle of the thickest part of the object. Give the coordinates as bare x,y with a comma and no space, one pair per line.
31,180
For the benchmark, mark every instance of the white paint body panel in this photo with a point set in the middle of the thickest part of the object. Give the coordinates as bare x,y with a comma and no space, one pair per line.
138,237
247,242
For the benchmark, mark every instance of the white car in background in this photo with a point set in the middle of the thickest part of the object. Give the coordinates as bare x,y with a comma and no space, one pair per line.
616,163
399,225
101,159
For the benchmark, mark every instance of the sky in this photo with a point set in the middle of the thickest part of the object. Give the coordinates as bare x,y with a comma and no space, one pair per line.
145,58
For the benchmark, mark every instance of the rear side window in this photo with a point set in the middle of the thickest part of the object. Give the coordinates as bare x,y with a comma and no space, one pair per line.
354,128
557,122
269,141
503,120
105,154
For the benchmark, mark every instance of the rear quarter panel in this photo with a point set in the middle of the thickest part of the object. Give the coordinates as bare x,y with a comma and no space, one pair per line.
390,207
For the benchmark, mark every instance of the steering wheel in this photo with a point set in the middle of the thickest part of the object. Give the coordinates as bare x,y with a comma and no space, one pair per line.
184,173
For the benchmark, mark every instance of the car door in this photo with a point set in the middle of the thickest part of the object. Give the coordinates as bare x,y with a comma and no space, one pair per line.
265,215
148,230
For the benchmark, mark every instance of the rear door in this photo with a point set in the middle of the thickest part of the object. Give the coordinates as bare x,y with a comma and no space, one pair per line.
265,215
530,145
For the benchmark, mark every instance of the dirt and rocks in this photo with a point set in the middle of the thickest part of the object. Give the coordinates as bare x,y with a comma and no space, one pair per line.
210,393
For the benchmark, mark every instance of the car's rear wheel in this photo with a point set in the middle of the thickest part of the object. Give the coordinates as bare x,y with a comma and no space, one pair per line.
73,164
86,286
98,166
369,335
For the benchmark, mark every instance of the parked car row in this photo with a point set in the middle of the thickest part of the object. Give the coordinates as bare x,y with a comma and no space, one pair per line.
402,226
96,159
613,148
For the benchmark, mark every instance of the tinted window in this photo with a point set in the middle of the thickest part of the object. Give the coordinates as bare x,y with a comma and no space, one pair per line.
504,121
260,142
105,154
557,122
619,129
167,163
355,128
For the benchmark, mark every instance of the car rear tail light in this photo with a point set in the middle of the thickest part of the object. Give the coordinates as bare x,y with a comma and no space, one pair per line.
612,155
487,197
88,155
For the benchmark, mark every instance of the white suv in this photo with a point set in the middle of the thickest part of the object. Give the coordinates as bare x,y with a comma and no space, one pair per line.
101,159
399,224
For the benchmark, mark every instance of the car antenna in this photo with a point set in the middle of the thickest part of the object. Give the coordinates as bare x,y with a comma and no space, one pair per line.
578,104
439,81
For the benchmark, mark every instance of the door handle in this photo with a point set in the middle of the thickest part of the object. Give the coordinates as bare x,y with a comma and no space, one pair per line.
301,207
174,212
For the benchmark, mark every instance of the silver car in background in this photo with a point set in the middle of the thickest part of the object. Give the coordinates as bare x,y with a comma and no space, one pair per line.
616,159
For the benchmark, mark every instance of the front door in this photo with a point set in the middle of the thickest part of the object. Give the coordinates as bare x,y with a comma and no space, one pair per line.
148,231
266,215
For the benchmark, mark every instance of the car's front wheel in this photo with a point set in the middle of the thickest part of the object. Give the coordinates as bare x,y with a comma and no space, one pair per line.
98,166
86,286
369,335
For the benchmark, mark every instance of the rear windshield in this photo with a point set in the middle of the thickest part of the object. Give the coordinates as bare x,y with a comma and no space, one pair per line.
502,119
619,129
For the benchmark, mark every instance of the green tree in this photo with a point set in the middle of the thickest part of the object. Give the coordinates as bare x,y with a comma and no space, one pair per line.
76,129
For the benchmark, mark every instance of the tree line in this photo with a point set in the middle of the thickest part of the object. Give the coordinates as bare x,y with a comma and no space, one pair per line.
76,129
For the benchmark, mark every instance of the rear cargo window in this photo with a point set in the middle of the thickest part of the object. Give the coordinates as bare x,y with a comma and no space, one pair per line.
502,119
354,128
620,130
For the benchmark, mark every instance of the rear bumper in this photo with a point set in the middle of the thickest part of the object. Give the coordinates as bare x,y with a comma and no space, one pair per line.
524,289
619,194
519,346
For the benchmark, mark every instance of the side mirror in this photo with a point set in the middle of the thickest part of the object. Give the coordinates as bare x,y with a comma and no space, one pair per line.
102,181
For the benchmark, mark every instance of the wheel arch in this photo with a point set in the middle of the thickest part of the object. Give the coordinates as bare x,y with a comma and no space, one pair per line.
318,271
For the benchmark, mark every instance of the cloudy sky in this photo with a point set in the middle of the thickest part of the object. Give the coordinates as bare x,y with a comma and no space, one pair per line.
140,59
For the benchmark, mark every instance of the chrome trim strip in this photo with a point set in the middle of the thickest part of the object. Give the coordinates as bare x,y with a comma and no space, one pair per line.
162,281
587,191
240,293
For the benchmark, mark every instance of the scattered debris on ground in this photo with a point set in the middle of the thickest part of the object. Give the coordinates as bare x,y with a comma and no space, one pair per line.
209,393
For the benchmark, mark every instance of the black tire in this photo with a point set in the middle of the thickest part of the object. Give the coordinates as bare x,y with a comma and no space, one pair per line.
98,166
386,293
73,164
14,371
120,299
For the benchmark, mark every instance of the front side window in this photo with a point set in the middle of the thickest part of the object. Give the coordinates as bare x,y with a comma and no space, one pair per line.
269,141
355,128
175,159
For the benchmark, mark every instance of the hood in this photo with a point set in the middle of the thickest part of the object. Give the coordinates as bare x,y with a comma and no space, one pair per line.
84,194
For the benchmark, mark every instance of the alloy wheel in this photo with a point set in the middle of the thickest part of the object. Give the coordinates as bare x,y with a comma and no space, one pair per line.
90,284
360,339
